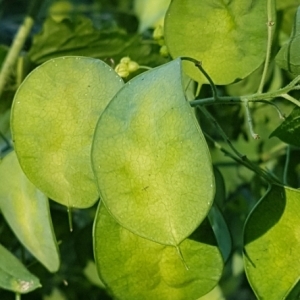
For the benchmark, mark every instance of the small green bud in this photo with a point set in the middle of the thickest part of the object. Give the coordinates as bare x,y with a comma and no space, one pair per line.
125,60
164,51
133,66
122,70
158,33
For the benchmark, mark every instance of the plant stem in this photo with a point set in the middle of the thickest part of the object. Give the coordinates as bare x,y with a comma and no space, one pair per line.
291,99
270,24
251,98
250,122
198,64
18,296
286,165
70,218
18,43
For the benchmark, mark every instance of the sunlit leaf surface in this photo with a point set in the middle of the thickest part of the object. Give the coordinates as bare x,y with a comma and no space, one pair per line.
26,210
54,115
151,160
135,268
228,37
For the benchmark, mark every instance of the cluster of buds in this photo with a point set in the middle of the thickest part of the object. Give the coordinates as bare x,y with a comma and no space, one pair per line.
158,36
126,66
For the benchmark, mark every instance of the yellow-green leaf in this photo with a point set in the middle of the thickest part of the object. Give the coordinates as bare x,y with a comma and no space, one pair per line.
54,115
229,37
272,244
136,268
26,210
151,160
13,274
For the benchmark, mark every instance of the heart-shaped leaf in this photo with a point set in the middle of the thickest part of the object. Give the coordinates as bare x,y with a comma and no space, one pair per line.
151,160
26,210
136,268
54,115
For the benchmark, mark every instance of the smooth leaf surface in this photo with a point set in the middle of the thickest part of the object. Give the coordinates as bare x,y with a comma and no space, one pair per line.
14,276
229,37
54,115
26,210
288,56
136,268
151,160
221,231
289,130
272,244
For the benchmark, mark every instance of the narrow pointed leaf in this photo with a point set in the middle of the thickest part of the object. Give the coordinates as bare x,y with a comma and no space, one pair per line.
289,130
26,210
136,268
151,160
229,37
54,115
13,274
272,242
288,56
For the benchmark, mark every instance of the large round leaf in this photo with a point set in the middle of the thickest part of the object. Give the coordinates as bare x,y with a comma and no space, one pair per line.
54,115
272,244
26,210
136,268
229,37
151,160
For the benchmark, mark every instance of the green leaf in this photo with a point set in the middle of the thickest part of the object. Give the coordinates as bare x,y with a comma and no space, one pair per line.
221,231
151,160
136,268
229,37
289,130
54,115
26,210
288,57
14,276
272,244
79,37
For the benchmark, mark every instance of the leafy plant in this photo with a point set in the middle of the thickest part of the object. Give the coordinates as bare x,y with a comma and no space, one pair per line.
183,192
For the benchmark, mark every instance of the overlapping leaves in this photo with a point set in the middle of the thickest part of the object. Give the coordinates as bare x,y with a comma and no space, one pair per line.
151,160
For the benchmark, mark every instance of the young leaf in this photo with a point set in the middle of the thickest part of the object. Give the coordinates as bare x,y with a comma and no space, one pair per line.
151,160
136,268
272,244
26,210
14,276
289,130
54,115
229,37
288,57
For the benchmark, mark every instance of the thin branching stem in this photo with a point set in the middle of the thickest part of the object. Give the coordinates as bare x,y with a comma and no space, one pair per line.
220,130
291,99
270,25
250,122
198,64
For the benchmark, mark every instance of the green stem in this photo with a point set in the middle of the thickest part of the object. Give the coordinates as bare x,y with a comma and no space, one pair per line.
250,122
220,130
291,99
286,165
18,296
270,24
251,98
18,43
198,64
70,219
